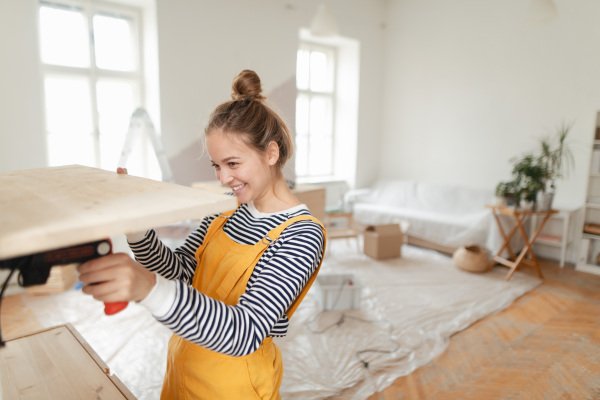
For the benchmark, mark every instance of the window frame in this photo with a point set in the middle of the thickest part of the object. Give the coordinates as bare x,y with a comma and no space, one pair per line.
331,95
94,74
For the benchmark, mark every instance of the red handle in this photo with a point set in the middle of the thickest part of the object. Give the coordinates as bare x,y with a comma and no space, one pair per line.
113,308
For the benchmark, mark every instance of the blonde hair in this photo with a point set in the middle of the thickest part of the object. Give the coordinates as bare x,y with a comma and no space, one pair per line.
248,117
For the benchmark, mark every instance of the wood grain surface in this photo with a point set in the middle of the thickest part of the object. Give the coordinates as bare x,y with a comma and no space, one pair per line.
49,208
56,363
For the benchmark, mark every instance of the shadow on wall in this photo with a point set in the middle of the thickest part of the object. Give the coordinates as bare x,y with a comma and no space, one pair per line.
193,164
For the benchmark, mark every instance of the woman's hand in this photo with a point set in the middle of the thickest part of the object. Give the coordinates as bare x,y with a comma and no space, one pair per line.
116,277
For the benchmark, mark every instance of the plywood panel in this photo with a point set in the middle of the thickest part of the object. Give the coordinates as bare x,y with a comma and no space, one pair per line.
56,363
48,208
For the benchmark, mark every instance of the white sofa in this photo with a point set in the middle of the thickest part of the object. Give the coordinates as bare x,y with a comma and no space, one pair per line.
441,216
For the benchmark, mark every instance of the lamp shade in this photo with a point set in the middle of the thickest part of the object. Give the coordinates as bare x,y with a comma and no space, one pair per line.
324,24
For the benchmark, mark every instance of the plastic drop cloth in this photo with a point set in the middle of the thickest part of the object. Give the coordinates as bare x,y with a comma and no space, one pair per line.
409,308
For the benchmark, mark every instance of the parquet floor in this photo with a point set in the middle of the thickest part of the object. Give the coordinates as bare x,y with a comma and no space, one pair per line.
546,345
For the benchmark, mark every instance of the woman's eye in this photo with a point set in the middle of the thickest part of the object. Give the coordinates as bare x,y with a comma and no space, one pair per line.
232,164
215,165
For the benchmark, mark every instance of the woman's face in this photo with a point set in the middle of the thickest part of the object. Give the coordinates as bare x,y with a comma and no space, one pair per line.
248,173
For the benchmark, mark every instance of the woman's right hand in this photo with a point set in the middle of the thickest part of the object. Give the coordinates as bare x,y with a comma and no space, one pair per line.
116,277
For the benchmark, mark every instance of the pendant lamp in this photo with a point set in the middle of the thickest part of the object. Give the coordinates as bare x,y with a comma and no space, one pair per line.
324,24
542,11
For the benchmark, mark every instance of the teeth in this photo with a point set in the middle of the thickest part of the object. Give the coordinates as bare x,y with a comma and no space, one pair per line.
236,188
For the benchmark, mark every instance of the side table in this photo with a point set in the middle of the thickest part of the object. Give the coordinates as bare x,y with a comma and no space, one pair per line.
519,216
348,231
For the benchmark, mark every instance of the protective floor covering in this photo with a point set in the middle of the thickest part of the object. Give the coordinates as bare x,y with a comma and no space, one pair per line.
409,308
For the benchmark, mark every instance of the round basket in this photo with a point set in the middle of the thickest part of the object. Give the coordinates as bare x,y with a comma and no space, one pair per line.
471,258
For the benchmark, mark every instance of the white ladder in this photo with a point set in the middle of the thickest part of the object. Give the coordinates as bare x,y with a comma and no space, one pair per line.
140,121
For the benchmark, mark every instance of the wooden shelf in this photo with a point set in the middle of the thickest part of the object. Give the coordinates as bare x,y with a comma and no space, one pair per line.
590,228
590,236
561,241
550,240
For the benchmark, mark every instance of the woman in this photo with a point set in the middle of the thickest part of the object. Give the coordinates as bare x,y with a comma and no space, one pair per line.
234,283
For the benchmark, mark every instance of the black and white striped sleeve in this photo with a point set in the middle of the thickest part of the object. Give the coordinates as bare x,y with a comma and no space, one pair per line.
178,264
277,280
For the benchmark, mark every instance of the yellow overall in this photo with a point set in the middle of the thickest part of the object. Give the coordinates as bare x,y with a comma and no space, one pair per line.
222,272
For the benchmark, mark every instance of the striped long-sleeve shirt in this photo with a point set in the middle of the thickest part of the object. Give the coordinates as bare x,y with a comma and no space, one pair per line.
277,279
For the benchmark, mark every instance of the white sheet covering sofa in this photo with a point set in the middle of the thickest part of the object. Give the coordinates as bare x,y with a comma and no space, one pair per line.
445,215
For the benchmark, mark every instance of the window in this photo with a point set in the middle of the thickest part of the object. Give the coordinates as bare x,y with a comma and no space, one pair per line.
315,109
91,64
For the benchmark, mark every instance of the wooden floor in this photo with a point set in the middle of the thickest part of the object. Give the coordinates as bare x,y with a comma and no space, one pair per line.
546,345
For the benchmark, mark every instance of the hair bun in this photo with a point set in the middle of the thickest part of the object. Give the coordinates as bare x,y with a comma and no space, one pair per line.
247,86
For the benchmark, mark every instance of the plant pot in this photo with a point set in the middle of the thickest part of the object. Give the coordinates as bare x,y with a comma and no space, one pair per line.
526,204
499,201
511,200
543,201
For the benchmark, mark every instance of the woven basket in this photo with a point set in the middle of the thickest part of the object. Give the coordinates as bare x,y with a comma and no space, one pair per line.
471,258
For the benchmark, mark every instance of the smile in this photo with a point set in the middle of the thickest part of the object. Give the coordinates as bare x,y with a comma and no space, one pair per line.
238,187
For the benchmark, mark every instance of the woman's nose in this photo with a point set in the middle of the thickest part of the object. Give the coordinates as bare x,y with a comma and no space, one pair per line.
224,177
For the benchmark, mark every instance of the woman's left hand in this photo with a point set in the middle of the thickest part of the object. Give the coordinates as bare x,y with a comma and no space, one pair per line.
116,277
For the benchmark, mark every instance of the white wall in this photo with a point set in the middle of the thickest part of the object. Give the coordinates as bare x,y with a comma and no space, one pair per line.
470,84
203,45
22,143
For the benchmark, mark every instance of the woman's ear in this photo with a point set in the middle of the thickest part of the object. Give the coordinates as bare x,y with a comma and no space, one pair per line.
272,153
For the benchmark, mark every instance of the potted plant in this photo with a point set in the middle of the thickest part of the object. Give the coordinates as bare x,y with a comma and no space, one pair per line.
556,160
505,193
535,173
529,175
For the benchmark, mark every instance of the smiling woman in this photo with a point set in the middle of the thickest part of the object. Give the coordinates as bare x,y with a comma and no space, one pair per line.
238,278
249,144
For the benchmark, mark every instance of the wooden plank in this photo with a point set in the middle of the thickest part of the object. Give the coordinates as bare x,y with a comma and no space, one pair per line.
49,208
100,362
56,364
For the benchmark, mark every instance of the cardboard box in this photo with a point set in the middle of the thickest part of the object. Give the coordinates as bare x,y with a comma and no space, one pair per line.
338,291
383,241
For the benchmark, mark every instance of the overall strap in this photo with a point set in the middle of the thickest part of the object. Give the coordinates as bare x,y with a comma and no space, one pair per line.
292,308
213,228
234,274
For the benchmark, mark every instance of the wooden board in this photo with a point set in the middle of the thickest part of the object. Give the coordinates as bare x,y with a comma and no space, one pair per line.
56,363
55,207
